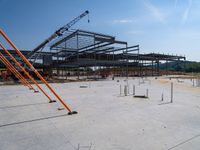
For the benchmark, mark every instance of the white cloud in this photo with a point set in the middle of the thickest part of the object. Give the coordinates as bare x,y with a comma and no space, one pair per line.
186,12
123,21
155,12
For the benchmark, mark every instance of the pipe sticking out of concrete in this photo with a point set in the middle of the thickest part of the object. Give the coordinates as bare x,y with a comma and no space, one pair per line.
172,92
193,82
147,93
120,87
133,89
125,90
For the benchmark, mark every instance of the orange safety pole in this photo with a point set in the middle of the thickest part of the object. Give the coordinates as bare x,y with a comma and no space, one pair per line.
15,72
27,74
37,73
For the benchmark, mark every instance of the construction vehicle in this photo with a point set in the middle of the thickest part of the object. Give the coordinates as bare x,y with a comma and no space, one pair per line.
58,33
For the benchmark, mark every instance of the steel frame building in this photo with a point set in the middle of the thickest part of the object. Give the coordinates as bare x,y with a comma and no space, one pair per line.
84,49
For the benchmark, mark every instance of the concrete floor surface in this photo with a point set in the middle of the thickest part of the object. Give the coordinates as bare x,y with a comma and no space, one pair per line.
106,120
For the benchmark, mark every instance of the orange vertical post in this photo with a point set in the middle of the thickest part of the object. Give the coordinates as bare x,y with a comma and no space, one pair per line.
37,73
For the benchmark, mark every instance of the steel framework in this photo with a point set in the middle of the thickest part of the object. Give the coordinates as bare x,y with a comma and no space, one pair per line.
83,49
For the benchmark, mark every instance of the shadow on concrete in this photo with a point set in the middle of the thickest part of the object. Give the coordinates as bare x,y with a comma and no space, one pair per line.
33,120
165,103
7,107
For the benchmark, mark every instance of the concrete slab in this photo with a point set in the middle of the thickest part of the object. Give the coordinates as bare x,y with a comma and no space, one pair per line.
106,119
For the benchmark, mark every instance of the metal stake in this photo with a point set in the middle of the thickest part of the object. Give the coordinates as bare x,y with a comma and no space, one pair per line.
147,93
120,89
172,92
133,89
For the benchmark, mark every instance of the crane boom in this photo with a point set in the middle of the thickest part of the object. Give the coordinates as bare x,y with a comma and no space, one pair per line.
58,33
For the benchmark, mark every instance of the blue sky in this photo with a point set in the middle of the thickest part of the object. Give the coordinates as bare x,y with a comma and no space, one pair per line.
164,26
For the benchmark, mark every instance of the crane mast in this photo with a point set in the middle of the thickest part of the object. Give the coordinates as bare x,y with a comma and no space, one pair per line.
57,33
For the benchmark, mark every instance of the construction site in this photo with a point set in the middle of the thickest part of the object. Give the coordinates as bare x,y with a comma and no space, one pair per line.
94,91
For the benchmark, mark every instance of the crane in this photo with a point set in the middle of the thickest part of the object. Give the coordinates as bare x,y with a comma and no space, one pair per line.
57,33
